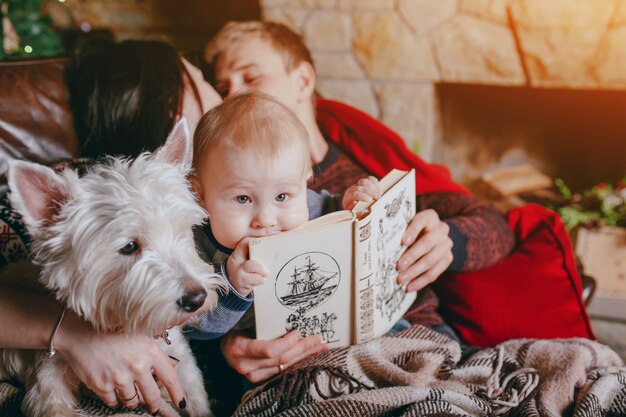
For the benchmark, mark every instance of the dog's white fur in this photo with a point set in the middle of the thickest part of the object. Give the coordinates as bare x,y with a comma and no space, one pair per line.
78,227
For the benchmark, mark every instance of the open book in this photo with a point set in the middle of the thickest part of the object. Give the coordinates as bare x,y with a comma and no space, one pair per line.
336,275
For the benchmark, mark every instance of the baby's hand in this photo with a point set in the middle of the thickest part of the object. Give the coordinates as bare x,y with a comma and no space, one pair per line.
243,273
366,190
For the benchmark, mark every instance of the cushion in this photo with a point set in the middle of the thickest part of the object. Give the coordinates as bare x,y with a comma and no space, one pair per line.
13,236
535,292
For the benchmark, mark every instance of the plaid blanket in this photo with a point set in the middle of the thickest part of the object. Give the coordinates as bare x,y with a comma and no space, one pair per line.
419,372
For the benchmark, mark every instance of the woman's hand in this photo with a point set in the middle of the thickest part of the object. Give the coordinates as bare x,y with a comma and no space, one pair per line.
259,360
198,96
117,366
429,251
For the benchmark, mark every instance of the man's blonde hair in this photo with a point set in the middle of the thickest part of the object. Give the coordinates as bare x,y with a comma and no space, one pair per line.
286,42
250,121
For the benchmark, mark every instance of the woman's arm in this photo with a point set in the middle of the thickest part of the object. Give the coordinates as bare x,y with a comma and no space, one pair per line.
27,318
103,362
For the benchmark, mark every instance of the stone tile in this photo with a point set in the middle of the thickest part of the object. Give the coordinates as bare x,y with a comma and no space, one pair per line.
337,65
425,15
563,14
328,31
356,93
494,10
477,51
302,3
366,4
409,109
388,50
610,68
292,17
619,17
560,39
326,4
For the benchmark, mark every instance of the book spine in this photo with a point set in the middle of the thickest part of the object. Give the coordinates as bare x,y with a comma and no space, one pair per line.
364,282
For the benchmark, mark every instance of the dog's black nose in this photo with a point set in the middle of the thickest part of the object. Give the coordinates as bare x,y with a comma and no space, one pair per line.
192,300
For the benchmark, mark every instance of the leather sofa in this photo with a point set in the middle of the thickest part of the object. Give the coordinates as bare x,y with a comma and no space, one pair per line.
35,121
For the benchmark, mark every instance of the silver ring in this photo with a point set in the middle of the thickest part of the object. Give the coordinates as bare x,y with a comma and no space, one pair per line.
281,368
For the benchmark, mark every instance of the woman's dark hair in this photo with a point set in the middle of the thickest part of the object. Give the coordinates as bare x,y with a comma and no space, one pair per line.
124,96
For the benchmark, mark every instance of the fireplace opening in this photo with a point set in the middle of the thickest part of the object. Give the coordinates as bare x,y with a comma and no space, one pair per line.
577,135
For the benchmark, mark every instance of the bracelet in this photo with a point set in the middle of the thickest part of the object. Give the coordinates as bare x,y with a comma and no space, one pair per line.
51,349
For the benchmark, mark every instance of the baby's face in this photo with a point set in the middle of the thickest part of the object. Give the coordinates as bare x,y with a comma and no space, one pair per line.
249,197
254,65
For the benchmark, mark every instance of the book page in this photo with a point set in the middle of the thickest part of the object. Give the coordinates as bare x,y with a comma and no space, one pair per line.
334,217
388,218
309,285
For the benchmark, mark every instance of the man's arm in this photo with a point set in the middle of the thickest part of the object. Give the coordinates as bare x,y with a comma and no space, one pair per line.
480,234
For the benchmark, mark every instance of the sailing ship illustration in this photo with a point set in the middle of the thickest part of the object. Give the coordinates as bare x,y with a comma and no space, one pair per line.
315,324
309,286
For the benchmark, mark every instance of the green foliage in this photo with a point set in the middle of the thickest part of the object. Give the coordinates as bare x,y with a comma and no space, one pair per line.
34,30
604,203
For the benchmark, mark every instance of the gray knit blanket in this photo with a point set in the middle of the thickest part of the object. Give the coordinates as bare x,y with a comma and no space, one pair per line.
419,372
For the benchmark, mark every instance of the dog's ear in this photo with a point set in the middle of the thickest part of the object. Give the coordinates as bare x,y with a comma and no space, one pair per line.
36,192
178,149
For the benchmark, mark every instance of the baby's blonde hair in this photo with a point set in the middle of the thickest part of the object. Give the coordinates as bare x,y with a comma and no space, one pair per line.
250,121
286,42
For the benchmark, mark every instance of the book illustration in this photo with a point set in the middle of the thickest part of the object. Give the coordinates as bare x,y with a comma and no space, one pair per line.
315,324
389,294
392,209
309,285
409,210
365,232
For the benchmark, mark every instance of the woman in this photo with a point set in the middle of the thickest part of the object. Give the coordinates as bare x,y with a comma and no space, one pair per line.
125,99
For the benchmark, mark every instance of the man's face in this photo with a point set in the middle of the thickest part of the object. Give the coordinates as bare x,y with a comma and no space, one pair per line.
255,65
247,196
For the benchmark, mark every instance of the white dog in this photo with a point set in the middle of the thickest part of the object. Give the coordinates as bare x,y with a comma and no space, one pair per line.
115,246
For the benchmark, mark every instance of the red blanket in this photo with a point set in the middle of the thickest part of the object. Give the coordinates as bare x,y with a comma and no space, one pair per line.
379,149
535,292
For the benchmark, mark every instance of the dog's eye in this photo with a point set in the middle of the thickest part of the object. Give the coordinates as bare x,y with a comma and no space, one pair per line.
131,247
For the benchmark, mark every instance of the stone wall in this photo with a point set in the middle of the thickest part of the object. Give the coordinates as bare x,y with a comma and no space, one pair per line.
387,56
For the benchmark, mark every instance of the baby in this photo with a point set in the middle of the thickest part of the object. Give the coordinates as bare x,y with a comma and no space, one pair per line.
252,161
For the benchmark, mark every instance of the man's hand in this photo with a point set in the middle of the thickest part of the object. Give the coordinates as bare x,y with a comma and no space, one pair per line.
429,251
